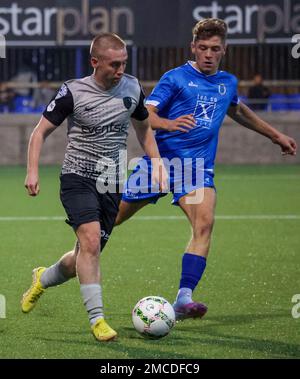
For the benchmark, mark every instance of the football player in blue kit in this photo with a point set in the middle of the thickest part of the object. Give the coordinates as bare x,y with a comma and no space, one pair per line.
187,108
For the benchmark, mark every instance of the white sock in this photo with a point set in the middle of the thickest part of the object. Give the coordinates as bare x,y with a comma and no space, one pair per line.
92,299
53,276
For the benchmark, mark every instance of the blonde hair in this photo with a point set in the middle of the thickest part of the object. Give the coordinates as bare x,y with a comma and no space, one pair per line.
106,41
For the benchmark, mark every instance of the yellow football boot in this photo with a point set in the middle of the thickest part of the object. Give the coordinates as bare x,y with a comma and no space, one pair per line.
31,296
102,331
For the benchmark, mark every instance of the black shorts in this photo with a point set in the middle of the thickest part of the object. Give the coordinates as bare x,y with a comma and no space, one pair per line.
83,204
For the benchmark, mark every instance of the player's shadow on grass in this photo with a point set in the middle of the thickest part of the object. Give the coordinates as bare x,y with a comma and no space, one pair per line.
200,332
273,349
162,349
145,352
211,322
244,319
121,346
269,348
171,339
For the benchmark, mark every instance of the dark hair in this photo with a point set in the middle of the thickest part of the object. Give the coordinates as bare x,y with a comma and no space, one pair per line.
106,41
210,27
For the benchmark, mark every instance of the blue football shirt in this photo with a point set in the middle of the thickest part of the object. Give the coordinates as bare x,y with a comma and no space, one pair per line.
185,90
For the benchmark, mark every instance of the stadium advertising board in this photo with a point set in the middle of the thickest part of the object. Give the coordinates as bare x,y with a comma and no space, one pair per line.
144,23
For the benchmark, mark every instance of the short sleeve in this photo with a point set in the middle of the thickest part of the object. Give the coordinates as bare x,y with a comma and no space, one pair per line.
163,92
140,113
60,107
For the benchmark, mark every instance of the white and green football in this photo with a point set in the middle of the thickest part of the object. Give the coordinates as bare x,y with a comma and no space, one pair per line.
153,317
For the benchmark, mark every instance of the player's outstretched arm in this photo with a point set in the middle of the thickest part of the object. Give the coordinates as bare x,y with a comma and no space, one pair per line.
246,117
37,138
183,123
147,141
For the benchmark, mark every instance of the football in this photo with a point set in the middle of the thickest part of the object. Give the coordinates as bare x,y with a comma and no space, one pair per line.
153,317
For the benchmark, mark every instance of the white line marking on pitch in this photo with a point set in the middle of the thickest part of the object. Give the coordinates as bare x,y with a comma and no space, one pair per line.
257,177
162,218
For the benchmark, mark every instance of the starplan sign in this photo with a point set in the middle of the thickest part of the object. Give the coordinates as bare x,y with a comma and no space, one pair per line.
71,22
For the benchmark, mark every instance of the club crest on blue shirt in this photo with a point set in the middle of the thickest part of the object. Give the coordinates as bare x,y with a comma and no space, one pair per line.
127,102
222,89
204,110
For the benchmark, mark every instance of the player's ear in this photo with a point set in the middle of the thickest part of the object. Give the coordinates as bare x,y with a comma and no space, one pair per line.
225,49
94,62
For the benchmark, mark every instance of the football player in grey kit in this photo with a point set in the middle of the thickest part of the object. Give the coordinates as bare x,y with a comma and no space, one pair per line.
98,108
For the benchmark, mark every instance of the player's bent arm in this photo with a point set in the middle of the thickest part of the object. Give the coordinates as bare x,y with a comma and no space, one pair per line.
246,117
182,123
147,141
37,138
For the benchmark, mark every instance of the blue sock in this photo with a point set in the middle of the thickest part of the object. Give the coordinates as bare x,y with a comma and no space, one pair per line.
193,267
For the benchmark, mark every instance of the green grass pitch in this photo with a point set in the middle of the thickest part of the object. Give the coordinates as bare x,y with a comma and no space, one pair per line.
252,274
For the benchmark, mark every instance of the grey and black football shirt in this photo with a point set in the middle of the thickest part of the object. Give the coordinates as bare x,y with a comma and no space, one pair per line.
98,121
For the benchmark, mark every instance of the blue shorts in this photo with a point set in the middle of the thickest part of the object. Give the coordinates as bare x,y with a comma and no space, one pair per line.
185,175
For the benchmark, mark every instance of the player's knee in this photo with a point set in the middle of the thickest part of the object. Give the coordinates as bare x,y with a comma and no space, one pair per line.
91,244
203,227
